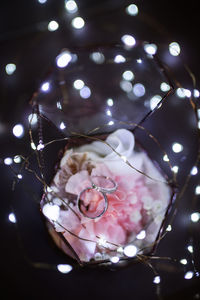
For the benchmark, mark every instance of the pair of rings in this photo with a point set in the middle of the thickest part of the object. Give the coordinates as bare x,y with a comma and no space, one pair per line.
99,184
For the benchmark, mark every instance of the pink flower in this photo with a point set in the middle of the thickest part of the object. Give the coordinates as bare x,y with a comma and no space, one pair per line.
132,207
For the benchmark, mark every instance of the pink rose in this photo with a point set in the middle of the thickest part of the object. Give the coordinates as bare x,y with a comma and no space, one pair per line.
135,206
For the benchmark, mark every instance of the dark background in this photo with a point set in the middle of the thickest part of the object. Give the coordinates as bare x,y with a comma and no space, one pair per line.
25,41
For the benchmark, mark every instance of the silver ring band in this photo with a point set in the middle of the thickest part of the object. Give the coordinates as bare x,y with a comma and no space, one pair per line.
102,189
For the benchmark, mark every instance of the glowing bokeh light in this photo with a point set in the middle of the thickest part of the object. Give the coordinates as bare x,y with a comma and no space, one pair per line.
174,49
141,235
130,250
45,87
154,101
132,10
126,86
169,228
78,23
71,6
197,190
53,25
18,130
150,49
195,217
64,268
164,87
190,248
108,113
165,158
114,259
111,123
78,84
62,126
97,57
119,59
32,118
8,161
156,280
183,261
196,93
128,40
42,1
63,59
85,92
176,147
189,275
128,75
175,169
51,211
12,218
10,68
110,102
194,171
139,90
17,159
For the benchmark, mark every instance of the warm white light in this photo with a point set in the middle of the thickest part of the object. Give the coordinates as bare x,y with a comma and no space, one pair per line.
64,268
164,87
71,6
176,147
150,49
194,171
187,93
128,40
32,118
40,146
139,60
45,87
97,57
128,75
119,59
58,105
130,250
154,101
195,217
51,211
132,10
196,93
18,130
53,26
126,86
197,190
63,59
85,92
33,146
78,23
110,123
10,69
175,169
169,228
19,176
102,242
78,84
199,124
8,161
108,112
110,102
17,159
62,125
156,280
139,90
190,248
114,259
181,92
12,218
183,261
141,235
174,49
189,275
166,158
42,1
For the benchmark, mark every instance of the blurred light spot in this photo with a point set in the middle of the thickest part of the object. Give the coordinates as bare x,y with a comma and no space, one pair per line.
59,105
62,125
154,101
19,176
78,23
183,261
132,10
196,93
189,275
164,87
126,86
42,1
71,6
33,146
85,92
180,93
114,259
102,242
174,49
156,280
51,211
139,60
150,49
108,113
175,169
194,171
139,90
63,59
169,228
198,124
78,84
124,158
165,157
8,161
110,102
120,250
111,123
190,248
128,75
53,26
130,250
64,268
97,57
141,235
40,146
119,59
45,87
17,159
10,69
197,190
12,218
176,147
32,118
187,93
195,217
128,40
18,130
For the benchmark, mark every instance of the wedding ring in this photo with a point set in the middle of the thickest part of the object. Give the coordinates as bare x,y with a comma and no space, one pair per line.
107,181
80,203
